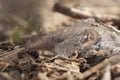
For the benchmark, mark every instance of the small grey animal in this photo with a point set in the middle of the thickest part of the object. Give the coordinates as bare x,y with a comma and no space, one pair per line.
82,37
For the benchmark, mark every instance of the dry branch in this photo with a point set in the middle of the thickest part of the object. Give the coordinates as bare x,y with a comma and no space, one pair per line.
113,59
75,13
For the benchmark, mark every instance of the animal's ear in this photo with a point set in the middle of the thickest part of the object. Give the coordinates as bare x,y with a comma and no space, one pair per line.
90,37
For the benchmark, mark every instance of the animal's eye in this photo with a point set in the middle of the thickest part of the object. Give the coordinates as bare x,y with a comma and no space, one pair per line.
85,37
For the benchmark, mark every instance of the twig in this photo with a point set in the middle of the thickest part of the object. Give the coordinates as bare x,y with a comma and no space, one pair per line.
107,73
10,58
72,12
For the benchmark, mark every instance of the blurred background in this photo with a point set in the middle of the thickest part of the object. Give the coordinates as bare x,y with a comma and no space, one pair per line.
19,18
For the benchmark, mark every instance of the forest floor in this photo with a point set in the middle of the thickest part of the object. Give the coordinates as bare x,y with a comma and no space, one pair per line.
18,62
